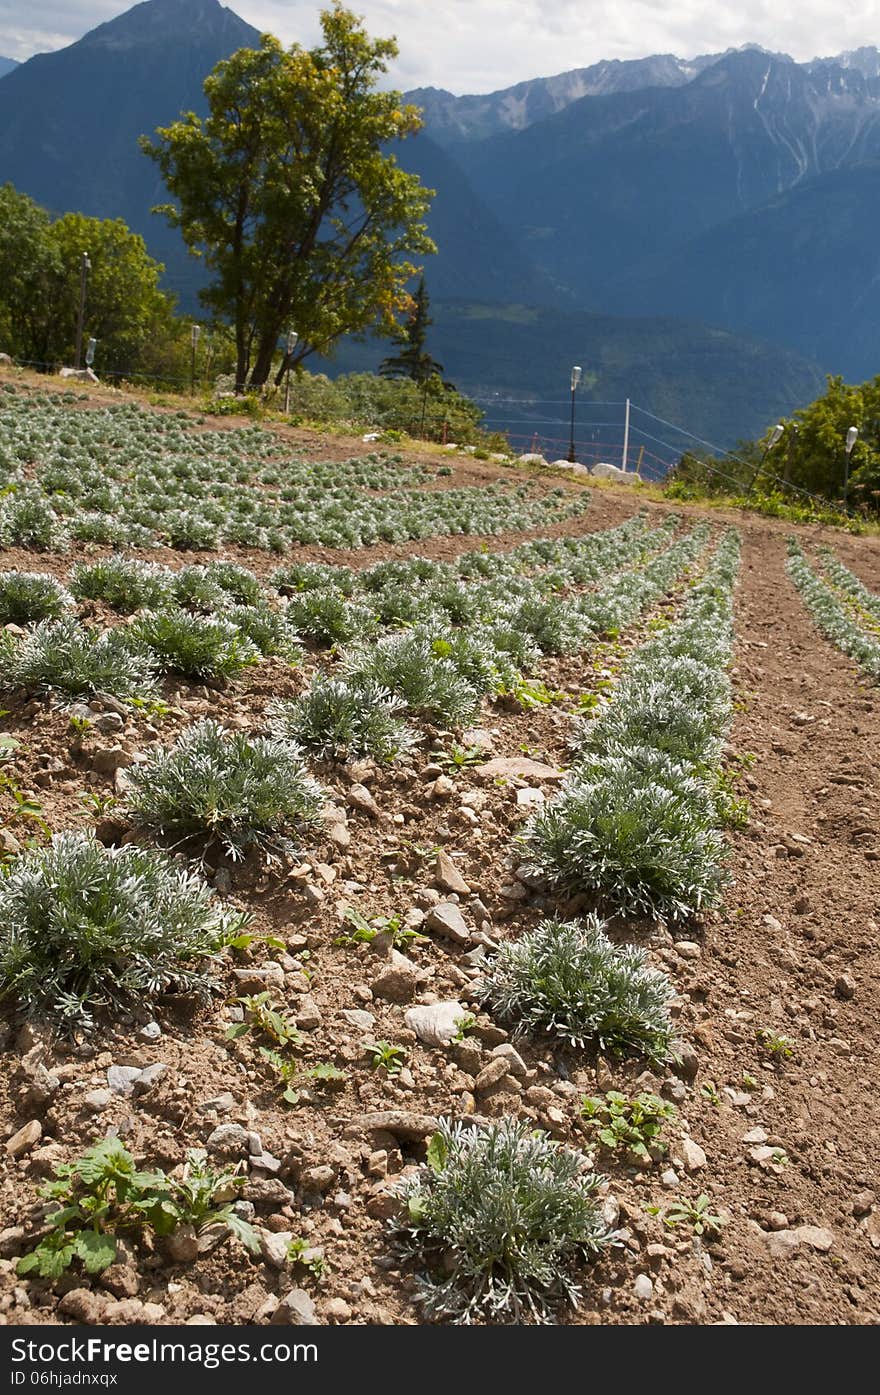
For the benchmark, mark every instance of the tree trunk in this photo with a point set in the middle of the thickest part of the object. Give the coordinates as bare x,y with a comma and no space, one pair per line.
263,362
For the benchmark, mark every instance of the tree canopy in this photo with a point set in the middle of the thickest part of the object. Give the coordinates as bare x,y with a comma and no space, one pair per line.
287,191
40,260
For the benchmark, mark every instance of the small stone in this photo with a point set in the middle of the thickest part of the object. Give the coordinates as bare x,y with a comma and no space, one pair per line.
274,1247
228,1141
218,1104
398,980
442,788
150,1077
777,1220
530,798
772,923
448,877
447,920
694,1157
757,1135
687,949
863,1203
24,1139
121,1079
120,1280
308,1014
436,1024
336,1310
98,1100
643,1288
669,1178
517,768
845,987
817,1237
296,1309
151,1031
515,1063
83,1306
494,1070
402,1123
259,977
360,1018
182,1245
359,797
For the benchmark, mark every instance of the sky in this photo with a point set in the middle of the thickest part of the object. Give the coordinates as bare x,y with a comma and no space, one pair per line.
483,45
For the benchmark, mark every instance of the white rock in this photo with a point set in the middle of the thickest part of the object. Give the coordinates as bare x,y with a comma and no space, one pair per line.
436,1024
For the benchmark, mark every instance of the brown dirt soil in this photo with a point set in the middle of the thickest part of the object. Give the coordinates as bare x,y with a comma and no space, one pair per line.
793,953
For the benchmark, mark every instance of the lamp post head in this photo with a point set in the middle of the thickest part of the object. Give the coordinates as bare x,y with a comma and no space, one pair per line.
575,377
90,352
86,262
851,437
292,341
196,331
776,435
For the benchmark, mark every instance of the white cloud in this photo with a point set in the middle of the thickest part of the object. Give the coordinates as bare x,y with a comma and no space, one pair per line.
480,45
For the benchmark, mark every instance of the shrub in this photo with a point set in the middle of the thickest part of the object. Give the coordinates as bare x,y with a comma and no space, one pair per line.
636,829
230,788
84,929
337,719
26,597
568,980
123,583
194,645
266,628
408,666
503,1217
239,583
329,619
681,711
28,520
63,654
196,588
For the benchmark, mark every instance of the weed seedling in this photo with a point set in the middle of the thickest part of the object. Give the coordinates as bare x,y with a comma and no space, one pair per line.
629,1125
103,1195
694,1214
386,1057
777,1047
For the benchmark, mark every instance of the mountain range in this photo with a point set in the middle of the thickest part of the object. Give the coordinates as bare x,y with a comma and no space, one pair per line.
6,66
716,212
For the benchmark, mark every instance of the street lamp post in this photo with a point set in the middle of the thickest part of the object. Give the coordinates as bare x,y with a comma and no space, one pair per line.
85,267
195,333
852,436
292,338
575,379
90,352
775,437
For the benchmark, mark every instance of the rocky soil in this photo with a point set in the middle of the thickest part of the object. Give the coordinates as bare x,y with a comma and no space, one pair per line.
785,1148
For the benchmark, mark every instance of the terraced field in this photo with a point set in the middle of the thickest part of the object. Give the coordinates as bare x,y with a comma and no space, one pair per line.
406,856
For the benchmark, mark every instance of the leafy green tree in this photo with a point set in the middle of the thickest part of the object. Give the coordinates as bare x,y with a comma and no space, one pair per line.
30,268
288,193
816,454
413,360
126,311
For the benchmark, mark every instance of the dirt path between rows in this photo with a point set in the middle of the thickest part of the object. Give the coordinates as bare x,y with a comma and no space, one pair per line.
796,952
